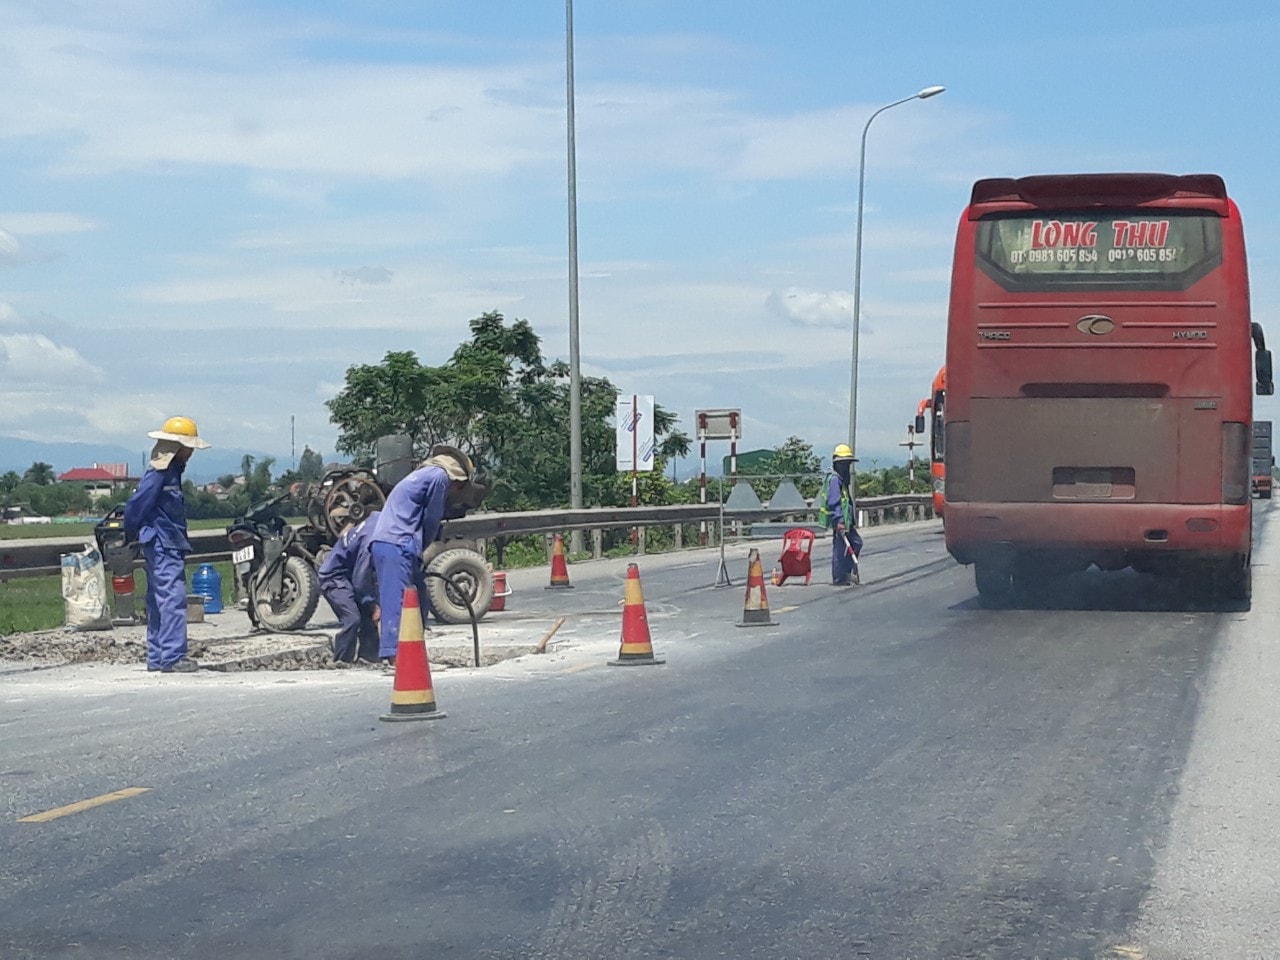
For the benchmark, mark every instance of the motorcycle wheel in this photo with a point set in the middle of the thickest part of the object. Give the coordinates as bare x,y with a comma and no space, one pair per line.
471,573
296,603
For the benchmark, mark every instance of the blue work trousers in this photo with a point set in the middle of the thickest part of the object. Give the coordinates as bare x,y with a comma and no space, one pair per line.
357,633
843,565
166,605
396,570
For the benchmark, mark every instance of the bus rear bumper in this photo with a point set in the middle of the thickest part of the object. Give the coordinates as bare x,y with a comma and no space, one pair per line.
1108,534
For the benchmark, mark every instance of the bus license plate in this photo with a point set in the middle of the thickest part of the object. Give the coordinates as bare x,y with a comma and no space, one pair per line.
1093,491
243,555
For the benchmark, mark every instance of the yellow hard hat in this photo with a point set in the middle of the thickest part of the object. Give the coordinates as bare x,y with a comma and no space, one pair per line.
181,429
842,452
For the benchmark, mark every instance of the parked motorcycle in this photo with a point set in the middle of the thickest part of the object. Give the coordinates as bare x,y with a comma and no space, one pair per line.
275,569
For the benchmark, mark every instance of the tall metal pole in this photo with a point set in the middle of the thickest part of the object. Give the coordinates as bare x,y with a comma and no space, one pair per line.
575,375
857,265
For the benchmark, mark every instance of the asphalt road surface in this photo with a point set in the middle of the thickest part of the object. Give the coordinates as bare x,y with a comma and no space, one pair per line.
891,772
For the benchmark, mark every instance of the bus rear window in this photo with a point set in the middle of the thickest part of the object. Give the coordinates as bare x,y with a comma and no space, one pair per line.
1139,250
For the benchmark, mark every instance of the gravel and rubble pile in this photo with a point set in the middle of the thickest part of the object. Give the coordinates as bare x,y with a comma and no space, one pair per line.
49,648
228,647
54,647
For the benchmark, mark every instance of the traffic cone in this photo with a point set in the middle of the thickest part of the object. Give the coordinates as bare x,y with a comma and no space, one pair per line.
411,696
636,649
559,569
755,608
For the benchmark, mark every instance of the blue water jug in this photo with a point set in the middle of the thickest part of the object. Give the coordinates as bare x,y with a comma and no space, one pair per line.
207,582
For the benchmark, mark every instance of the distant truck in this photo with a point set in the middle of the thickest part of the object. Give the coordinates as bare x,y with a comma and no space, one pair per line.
1263,460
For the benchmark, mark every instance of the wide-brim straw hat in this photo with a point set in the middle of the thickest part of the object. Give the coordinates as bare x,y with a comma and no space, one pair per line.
181,430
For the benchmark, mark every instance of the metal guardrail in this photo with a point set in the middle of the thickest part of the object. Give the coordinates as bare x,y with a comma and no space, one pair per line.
41,556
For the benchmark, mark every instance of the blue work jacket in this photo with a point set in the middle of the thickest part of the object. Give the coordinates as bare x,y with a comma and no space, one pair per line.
414,509
156,511
350,559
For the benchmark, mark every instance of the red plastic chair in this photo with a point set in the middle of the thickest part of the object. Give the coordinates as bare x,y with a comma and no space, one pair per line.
797,550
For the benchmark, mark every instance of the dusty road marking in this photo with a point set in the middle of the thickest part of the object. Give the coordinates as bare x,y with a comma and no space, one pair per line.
786,609
89,804
579,668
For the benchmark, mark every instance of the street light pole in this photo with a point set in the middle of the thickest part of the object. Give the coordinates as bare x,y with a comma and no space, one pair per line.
575,373
924,94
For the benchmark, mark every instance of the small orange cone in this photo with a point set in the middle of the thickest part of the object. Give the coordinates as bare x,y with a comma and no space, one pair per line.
636,649
412,697
559,569
755,608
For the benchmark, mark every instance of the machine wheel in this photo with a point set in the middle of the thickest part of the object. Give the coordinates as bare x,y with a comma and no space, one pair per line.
350,501
297,602
471,573
995,583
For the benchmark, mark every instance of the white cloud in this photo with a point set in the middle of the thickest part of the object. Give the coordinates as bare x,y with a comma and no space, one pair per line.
354,275
812,308
10,251
32,358
42,224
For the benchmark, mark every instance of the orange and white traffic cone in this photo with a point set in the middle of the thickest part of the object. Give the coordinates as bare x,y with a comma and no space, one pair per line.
755,607
636,649
412,697
559,568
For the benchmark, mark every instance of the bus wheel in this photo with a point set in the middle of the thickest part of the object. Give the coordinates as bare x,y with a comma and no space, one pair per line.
995,583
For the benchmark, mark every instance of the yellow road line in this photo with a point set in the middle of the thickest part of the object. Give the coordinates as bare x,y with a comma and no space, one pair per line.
89,804
579,668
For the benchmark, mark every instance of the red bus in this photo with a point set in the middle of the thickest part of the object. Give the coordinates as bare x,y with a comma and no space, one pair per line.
1099,406
936,403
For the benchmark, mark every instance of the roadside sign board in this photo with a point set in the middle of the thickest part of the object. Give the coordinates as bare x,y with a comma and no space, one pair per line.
718,424
633,414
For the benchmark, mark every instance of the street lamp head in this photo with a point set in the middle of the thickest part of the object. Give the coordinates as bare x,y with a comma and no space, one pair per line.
928,92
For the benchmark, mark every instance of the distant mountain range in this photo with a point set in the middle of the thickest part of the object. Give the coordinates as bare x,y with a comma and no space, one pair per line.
206,465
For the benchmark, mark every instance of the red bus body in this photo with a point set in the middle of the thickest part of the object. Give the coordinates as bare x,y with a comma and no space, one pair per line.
1099,359
935,403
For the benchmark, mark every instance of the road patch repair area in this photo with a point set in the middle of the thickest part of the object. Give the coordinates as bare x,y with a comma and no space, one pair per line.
227,642
535,620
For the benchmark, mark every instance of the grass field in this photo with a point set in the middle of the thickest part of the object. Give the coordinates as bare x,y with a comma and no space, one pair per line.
35,603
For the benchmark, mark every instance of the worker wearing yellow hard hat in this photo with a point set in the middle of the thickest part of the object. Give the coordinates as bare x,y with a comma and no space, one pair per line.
155,517
842,515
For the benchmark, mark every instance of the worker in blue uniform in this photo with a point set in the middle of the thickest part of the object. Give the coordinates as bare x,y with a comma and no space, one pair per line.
155,516
444,487
347,582
841,512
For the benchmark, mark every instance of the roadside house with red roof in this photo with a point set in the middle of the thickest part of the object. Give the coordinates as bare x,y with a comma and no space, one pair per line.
101,479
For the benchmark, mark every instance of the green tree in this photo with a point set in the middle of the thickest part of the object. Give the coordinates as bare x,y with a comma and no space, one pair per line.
40,473
501,402
260,481
392,397
52,499
310,465
793,458
8,484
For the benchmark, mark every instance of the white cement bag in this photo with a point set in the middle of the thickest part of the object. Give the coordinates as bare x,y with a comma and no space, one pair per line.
84,589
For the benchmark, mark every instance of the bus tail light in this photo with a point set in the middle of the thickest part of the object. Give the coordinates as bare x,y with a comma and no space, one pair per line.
1236,451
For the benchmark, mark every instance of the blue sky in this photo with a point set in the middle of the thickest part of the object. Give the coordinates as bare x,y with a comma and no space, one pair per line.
215,208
